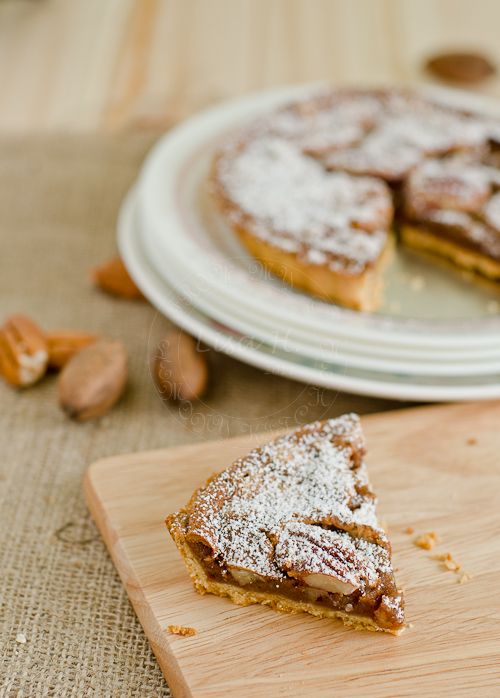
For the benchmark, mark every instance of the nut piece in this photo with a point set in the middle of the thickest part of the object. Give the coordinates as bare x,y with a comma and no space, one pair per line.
462,67
328,583
93,380
23,351
244,577
181,369
65,344
114,278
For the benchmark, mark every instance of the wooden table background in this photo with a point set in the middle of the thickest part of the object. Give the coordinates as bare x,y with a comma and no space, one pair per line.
120,65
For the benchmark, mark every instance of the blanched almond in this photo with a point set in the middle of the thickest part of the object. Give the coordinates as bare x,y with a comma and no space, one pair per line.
65,344
93,379
181,369
23,351
331,584
113,277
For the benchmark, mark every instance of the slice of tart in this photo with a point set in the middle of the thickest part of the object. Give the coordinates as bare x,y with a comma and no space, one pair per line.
325,232
452,209
292,525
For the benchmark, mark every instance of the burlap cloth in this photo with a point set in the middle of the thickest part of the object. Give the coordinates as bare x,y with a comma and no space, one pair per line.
59,198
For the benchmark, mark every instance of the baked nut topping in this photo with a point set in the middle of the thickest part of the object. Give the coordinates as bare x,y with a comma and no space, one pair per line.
293,525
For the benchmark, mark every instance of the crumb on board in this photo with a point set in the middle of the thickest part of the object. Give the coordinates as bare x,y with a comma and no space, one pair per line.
427,540
448,561
411,625
410,530
304,652
181,630
465,578
471,442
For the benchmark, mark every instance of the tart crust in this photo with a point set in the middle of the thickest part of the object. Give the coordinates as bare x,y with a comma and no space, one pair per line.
422,239
360,292
292,525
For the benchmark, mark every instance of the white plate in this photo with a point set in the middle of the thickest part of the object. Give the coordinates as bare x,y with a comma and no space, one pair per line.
275,359
184,245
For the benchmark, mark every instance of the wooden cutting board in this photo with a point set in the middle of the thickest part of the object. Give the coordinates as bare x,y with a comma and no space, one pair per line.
433,468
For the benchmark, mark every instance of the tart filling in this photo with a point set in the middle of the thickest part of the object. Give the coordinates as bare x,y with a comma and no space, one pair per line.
293,525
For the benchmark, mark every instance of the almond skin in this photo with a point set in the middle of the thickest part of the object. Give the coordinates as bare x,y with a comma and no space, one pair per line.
24,352
93,380
64,344
181,369
113,277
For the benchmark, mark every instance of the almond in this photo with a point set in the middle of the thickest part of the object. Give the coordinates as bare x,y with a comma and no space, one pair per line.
64,344
181,369
24,352
114,278
462,67
93,379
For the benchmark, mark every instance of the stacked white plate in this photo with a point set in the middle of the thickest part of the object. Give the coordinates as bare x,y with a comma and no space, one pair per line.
436,338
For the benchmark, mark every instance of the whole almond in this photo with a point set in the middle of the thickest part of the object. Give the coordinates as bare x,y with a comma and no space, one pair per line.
64,344
113,277
181,369
461,67
93,379
24,352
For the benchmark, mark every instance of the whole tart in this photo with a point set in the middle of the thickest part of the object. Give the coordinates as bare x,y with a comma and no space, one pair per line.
316,189
292,525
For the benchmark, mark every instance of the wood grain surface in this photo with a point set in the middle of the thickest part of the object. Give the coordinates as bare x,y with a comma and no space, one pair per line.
433,468
127,64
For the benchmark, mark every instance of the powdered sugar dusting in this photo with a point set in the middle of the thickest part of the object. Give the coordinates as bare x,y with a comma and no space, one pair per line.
294,204
305,496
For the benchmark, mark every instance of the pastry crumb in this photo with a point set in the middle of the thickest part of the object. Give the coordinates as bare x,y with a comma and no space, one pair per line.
427,540
304,653
21,639
465,578
410,530
448,561
181,630
411,625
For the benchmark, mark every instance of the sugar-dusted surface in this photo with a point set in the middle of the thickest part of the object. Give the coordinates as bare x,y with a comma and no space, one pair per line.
288,199
268,514
310,179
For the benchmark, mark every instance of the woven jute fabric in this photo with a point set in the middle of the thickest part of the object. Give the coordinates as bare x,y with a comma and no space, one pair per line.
59,199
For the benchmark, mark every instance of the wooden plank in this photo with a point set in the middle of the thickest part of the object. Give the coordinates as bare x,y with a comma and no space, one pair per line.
122,64
434,468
